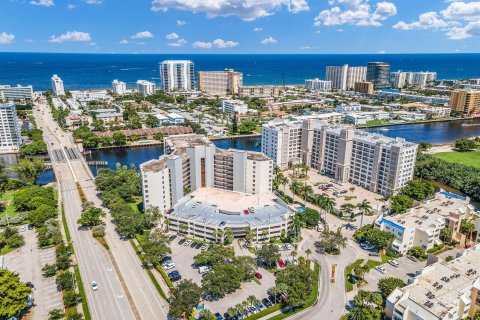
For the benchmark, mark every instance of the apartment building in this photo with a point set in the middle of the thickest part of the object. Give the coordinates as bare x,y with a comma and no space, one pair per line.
377,73
465,101
436,112
364,87
90,95
220,83
177,75
57,86
234,106
375,162
10,137
420,79
145,87
348,108
344,77
442,290
119,87
421,225
209,189
259,91
361,118
18,92
318,85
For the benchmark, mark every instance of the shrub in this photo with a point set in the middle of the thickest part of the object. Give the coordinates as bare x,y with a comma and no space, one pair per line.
49,270
70,298
98,231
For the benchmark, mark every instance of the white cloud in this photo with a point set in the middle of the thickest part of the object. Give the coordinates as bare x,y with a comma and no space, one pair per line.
178,43
181,22
172,36
257,29
93,1
305,48
355,12
71,6
142,35
268,40
382,52
71,36
245,9
43,3
124,41
472,29
202,45
6,38
461,10
427,20
92,44
221,44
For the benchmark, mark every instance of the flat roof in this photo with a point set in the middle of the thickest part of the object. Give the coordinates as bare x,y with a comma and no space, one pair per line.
221,207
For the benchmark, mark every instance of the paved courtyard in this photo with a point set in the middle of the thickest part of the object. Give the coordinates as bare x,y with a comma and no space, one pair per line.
28,261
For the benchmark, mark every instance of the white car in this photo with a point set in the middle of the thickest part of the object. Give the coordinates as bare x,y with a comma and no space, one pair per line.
280,247
94,286
22,228
204,247
168,266
394,263
288,246
187,243
381,269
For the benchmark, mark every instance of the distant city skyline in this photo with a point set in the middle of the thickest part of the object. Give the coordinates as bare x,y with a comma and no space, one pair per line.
240,26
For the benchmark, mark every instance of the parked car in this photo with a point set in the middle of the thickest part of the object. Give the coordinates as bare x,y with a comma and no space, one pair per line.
187,242
281,264
169,265
172,237
288,246
30,226
22,228
266,303
182,241
193,244
381,269
394,263
258,275
198,246
94,286
374,254
218,316
259,306
29,284
204,269
204,247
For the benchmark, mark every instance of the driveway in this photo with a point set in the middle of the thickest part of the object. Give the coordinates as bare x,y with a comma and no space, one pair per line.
28,261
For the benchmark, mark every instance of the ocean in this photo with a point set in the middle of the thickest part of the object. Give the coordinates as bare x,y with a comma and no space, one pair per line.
96,71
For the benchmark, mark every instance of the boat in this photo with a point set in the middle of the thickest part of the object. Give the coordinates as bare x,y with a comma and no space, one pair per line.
470,124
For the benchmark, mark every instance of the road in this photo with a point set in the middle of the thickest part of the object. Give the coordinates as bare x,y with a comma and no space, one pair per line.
137,298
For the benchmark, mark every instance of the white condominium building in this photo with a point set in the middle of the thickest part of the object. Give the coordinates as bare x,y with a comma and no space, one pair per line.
344,77
10,138
440,291
421,225
57,86
119,87
220,83
375,162
19,92
207,189
348,108
318,85
259,91
145,87
401,79
177,74
234,106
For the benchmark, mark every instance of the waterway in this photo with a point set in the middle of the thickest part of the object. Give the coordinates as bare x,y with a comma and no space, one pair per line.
434,132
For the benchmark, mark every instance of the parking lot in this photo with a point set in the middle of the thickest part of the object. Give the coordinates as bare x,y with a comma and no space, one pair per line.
28,262
182,257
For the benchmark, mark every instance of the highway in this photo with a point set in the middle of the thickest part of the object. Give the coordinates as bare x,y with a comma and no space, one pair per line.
125,289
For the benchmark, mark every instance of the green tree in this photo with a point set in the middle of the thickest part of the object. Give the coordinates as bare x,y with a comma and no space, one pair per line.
235,123
360,271
311,217
387,285
333,241
29,170
467,228
224,278
417,252
156,247
378,238
465,144
446,235
119,138
424,146
218,254
249,235
418,190
247,126
228,236
56,314
298,279
297,224
91,217
152,121
206,314
13,294
186,296
98,231
401,203
365,208
269,254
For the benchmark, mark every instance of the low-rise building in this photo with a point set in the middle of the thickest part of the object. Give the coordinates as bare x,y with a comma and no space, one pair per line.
259,91
348,108
110,117
365,87
58,103
234,106
16,93
436,112
408,115
421,225
413,97
75,120
361,118
443,290
90,95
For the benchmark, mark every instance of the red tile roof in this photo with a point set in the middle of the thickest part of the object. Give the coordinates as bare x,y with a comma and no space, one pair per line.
168,131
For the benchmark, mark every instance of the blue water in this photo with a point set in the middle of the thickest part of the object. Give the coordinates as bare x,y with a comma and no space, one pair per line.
96,71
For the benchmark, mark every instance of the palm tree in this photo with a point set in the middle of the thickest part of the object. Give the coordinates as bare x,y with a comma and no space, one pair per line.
365,208
467,228
326,204
218,234
229,236
265,234
277,170
283,181
293,254
297,223
306,190
308,252
351,190
249,235
183,228
252,300
360,271
231,311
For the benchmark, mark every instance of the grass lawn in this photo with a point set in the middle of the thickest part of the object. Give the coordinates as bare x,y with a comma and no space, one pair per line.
10,210
470,158
349,271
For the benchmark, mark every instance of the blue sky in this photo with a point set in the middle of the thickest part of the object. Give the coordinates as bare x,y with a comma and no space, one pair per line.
240,26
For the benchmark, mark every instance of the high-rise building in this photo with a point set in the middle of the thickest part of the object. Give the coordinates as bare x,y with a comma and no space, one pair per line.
465,101
119,87
344,77
209,189
145,87
18,92
365,87
377,73
401,79
57,86
10,137
442,290
318,85
375,162
177,74
234,106
220,83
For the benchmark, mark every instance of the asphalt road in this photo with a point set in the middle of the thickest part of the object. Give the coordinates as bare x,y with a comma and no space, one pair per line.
137,298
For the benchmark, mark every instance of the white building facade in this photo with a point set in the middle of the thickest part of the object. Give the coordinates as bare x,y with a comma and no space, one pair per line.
145,87
344,77
318,85
119,87
57,86
177,74
401,79
234,106
9,93
10,137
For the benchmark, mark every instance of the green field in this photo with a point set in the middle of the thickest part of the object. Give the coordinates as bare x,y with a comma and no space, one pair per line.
10,210
471,158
